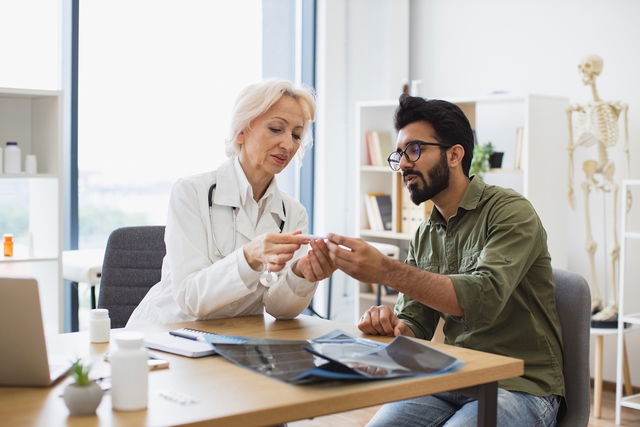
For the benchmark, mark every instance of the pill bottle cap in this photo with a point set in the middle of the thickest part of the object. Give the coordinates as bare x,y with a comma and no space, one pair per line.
99,313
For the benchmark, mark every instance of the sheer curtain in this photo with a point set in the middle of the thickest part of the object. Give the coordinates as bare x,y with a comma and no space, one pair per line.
157,81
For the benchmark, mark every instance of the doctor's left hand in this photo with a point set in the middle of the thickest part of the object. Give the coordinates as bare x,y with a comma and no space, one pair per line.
273,250
316,264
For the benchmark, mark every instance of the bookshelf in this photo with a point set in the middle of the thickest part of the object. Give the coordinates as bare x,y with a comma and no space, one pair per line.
628,317
530,130
32,203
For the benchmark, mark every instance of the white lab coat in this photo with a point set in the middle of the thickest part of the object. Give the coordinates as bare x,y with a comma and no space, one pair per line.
203,278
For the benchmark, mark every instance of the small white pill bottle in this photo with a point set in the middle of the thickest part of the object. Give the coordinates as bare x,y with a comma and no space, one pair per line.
12,158
99,325
129,373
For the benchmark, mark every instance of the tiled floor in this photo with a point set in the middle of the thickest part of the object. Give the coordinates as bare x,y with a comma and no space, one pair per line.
630,417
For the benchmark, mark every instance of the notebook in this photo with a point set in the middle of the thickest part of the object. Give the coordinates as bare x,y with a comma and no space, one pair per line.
176,344
190,342
24,360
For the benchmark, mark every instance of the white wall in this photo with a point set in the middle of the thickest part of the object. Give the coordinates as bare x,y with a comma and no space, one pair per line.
463,48
363,54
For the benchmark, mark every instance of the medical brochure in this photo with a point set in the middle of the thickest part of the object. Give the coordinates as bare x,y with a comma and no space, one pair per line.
336,356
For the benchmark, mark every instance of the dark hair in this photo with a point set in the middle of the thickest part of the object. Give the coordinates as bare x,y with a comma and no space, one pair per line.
448,120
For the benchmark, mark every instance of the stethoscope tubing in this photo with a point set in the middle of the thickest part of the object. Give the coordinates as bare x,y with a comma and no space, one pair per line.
234,213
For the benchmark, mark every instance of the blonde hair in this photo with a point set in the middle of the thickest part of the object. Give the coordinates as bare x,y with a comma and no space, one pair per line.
257,98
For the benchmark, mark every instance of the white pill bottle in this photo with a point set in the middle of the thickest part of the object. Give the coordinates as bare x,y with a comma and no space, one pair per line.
129,373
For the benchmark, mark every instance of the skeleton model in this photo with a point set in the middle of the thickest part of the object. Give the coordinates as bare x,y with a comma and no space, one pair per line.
596,124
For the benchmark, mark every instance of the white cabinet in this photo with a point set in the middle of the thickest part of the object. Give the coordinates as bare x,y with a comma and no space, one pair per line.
31,205
624,315
535,166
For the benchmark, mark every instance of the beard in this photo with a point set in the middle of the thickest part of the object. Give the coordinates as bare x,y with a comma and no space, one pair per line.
439,177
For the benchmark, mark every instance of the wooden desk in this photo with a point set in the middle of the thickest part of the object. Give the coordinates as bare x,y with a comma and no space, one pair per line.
226,394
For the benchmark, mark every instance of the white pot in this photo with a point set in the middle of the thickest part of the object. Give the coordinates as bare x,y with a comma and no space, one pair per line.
82,400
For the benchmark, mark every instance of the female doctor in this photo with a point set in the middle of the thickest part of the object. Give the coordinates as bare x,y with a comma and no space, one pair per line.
233,239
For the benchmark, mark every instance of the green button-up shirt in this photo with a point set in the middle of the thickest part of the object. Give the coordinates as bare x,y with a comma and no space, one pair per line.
494,249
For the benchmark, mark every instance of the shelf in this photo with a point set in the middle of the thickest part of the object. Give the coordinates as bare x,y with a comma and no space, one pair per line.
505,170
386,235
27,93
34,119
632,318
27,176
26,259
370,168
632,401
610,331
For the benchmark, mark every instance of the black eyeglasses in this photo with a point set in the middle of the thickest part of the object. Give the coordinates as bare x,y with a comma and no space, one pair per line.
411,152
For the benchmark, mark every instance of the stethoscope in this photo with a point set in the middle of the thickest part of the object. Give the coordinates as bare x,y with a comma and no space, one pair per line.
234,213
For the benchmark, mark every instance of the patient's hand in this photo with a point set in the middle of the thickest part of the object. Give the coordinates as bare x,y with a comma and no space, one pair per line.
380,320
316,264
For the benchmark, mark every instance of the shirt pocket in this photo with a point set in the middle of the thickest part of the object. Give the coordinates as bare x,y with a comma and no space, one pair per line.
469,261
433,266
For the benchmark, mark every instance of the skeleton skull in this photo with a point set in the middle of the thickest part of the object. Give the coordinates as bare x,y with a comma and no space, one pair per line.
590,67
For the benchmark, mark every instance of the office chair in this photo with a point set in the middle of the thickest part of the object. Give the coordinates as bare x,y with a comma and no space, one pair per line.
132,265
573,300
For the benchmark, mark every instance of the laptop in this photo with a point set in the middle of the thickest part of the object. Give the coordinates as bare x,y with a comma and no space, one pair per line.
23,352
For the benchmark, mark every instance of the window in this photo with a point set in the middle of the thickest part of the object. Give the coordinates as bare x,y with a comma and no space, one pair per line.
30,41
156,84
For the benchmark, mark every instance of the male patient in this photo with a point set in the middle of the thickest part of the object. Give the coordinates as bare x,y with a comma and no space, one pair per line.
480,262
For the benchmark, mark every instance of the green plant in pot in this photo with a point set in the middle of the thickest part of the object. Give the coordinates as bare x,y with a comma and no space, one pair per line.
82,396
480,161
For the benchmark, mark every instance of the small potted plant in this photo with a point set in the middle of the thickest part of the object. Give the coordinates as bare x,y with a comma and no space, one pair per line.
480,161
82,396
495,159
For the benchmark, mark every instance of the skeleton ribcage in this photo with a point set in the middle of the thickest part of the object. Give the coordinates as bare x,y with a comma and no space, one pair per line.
598,124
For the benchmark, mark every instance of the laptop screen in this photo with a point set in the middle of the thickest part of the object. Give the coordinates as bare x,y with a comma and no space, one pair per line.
23,354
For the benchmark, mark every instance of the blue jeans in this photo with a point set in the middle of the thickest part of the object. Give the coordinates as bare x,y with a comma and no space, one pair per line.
452,409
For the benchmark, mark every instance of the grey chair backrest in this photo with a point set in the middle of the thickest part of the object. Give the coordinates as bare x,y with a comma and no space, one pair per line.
132,265
573,300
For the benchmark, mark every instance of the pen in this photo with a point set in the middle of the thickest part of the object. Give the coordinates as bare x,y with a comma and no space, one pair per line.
325,238
313,237
184,335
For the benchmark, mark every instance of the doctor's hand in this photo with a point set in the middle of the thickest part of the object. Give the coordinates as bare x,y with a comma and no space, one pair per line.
380,320
316,264
273,250
358,259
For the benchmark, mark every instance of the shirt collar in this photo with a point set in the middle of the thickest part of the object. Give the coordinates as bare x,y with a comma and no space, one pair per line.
472,196
244,188
227,190
469,201
271,197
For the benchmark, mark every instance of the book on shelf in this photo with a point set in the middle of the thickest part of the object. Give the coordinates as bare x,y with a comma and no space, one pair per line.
373,213
412,215
379,211
369,148
517,158
384,206
387,145
373,151
379,145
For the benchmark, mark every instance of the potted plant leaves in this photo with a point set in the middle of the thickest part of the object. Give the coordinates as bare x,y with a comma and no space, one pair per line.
82,396
480,161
